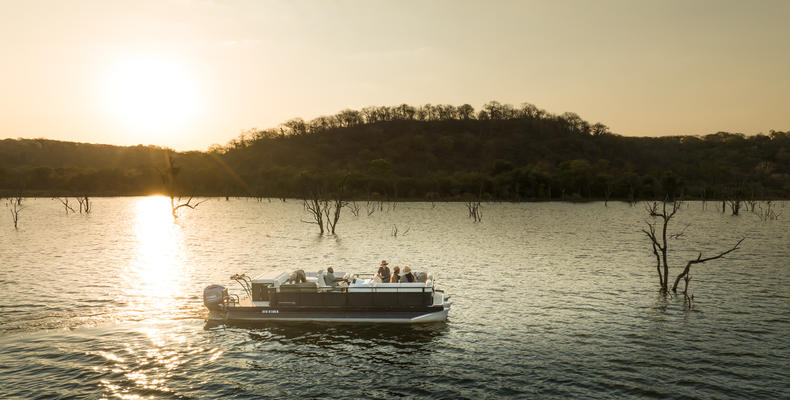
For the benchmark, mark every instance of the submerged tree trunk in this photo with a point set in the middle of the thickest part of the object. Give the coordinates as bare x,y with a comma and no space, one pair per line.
660,247
16,208
85,204
660,243
315,206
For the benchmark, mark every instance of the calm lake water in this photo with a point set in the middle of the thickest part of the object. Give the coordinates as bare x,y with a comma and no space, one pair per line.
550,300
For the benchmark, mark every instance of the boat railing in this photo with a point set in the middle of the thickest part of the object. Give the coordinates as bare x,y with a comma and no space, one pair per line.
396,288
245,281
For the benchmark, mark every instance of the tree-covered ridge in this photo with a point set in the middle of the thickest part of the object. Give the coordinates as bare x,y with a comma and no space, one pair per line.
427,152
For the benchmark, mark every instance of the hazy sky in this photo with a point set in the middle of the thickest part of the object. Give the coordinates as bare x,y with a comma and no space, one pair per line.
187,74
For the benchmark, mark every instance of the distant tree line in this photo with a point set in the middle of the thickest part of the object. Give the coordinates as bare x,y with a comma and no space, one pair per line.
430,152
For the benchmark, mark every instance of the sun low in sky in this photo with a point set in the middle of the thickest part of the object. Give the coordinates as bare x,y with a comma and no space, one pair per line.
153,97
187,74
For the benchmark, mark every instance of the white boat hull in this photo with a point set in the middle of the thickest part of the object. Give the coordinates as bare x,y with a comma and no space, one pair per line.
273,316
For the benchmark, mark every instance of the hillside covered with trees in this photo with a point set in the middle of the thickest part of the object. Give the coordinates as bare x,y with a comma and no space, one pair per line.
500,152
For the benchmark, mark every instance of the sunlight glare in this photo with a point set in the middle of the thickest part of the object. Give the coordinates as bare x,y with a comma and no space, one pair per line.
157,276
152,95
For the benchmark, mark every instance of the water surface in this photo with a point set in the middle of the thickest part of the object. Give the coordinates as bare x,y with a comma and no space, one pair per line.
551,300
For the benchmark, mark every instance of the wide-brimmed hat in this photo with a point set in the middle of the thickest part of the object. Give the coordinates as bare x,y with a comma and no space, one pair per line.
384,262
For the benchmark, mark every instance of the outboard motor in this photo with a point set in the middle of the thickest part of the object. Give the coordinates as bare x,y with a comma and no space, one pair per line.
214,295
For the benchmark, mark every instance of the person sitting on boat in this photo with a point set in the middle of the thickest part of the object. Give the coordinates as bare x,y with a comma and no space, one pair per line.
395,274
407,276
297,276
384,271
329,278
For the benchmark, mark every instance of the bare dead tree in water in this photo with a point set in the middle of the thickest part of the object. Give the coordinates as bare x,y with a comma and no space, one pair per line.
168,178
394,232
659,242
334,207
767,213
735,206
15,207
658,239
735,199
474,206
65,202
474,210
178,203
332,211
314,206
314,203
353,207
85,204
324,206
370,207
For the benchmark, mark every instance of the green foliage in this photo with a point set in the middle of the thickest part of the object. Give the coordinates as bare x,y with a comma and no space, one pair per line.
426,152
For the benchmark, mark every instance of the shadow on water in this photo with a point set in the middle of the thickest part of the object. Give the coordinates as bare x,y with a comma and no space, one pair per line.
418,338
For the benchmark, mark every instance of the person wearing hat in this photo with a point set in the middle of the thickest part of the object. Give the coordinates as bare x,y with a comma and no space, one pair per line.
384,271
407,276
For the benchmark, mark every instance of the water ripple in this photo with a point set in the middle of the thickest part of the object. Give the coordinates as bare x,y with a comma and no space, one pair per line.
550,301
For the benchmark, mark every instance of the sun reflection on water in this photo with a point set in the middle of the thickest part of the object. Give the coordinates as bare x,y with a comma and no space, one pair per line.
156,277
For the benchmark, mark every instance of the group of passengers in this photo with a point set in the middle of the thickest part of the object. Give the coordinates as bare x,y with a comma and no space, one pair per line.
395,277
382,276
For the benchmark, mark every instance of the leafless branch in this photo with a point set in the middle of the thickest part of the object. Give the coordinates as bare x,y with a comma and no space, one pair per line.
395,231
700,260
354,207
176,204
65,202
768,213
680,234
15,208
473,207
85,204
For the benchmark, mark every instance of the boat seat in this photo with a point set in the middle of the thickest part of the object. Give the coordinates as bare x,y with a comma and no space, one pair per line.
320,279
303,287
400,287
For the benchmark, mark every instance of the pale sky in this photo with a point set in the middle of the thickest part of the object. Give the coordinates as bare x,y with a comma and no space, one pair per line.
187,74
